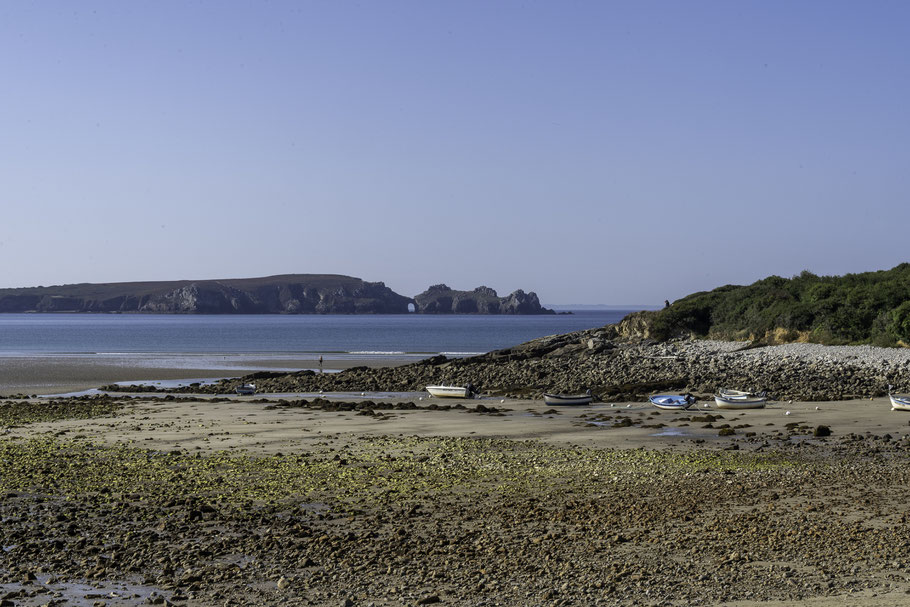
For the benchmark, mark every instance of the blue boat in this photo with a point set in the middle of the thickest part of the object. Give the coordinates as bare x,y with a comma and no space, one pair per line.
899,402
672,401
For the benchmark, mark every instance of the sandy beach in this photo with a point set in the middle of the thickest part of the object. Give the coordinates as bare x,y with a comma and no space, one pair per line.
340,501
283,428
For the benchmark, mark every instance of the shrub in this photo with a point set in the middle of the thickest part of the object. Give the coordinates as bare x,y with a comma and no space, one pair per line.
872,307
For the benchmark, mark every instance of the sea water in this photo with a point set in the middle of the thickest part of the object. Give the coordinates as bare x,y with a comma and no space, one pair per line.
355,336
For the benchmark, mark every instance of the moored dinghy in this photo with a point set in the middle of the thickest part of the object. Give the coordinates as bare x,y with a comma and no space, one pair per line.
672,401
728,393
569,399
246,389
444,391
740,402
899,402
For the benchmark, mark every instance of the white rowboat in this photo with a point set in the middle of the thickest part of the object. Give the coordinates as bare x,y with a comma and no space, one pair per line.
728,393
246,389
450,391
672,402
568,399
740,402
899,402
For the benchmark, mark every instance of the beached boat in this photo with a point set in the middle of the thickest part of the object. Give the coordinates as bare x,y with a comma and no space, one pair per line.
899,402
728,393
569,399
451,391
672,401
740,402
246,389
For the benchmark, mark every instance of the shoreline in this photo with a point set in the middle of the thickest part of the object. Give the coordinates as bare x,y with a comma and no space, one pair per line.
615,370
627,370
64,373
287,423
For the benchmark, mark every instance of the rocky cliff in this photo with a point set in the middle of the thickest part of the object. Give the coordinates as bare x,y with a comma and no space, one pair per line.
286,294
440,299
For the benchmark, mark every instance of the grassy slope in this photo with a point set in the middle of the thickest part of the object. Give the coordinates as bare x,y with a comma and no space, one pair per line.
871,307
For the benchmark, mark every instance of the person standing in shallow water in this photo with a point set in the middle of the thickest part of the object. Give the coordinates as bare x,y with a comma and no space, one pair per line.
320,363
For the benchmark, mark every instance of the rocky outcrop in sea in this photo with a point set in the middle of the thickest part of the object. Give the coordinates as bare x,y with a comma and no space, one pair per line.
440,299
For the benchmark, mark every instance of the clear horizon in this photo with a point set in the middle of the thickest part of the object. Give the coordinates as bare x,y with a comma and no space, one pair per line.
595,152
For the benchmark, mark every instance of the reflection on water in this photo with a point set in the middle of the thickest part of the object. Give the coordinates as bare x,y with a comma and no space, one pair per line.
114,592
672,432
179,383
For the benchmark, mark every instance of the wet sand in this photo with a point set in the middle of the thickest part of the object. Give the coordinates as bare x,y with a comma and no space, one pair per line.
250,423
65,373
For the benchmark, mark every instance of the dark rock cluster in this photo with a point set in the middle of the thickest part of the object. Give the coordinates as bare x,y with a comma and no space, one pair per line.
617,368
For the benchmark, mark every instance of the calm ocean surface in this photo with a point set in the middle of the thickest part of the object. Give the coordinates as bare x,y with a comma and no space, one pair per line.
371,335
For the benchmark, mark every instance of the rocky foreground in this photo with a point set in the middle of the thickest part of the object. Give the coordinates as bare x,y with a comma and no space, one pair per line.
405,520
616,367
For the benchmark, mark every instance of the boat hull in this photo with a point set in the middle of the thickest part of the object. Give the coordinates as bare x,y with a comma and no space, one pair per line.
728,393
246,389
672,402
739,402
899,403
568,399
448,391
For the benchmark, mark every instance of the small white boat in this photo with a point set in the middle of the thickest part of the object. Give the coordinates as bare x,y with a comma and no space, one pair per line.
899,402
740,402
569,399
672,402
246,389
451,391
728,393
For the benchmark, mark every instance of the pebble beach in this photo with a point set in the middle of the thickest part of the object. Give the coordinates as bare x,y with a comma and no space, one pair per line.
188,500
624,370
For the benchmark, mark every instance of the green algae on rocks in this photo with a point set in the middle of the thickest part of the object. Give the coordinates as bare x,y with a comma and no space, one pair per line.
19,412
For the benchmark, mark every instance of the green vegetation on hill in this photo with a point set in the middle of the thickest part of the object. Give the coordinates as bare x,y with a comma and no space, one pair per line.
866,308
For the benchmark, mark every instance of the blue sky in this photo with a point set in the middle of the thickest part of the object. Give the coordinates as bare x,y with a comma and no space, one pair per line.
593,152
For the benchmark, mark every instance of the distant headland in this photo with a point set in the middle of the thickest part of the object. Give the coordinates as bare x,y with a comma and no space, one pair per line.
283,294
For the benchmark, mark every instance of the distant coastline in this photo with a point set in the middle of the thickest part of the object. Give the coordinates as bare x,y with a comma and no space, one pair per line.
601,307
282,294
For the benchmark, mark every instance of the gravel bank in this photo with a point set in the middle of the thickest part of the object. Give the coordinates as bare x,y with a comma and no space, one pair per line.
621,370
